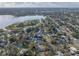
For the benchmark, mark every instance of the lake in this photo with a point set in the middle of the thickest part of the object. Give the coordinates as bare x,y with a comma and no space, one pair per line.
6,20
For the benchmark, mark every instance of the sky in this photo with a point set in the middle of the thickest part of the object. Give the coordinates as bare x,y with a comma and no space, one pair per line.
40,4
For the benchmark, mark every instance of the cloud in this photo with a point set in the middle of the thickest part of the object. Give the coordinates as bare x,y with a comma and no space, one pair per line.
39,4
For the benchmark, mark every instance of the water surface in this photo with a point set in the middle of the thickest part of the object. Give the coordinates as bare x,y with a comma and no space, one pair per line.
6,20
